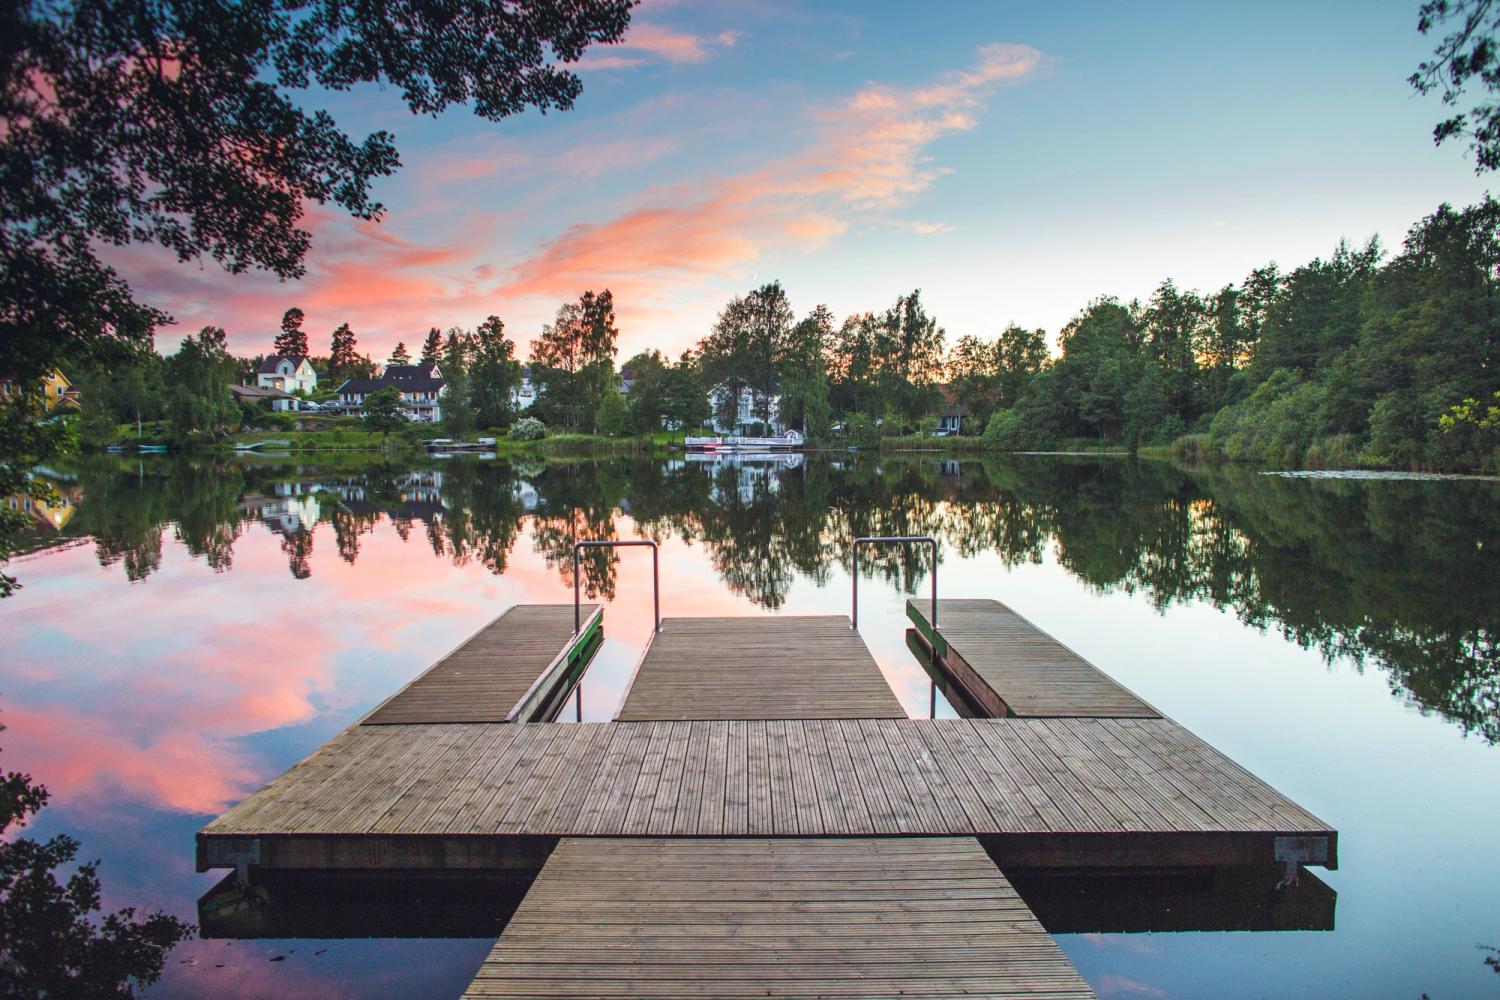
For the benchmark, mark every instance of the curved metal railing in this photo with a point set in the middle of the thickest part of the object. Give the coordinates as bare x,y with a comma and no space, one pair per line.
616,544
884,539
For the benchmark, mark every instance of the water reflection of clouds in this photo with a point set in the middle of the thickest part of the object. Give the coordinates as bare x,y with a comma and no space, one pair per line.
1124,986
146,705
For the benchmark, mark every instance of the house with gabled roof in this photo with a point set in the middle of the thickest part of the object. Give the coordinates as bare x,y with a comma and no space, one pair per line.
420,388
288,372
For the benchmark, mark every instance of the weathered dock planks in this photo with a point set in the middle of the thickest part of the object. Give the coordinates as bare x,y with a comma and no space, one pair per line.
850,918
1007,666
498,673
770,667
1046,792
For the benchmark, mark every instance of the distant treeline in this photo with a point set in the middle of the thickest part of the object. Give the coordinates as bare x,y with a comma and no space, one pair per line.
1352,359
1344,360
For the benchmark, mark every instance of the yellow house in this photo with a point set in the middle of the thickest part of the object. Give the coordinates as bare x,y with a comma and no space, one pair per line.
56,391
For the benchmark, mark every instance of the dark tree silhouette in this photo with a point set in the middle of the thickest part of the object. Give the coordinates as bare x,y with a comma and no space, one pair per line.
51,944
179,124
1469,51
292,339
432,347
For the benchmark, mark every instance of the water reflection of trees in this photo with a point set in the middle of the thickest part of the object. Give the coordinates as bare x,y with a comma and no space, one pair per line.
1405,575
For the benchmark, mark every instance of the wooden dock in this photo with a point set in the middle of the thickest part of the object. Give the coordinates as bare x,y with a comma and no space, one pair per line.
505,672
1043,792
781,667
850,918
1006,666
762,820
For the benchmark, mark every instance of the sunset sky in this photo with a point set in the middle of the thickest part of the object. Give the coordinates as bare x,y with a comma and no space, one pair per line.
1012,161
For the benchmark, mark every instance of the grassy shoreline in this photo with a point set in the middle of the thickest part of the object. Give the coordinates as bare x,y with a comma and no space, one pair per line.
1190,449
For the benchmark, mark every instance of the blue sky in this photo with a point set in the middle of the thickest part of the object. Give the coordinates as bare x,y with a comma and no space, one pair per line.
1012,161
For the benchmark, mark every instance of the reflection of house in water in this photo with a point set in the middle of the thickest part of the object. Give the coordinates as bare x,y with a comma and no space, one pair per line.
525,494
51,514
415,496
290,513
48,514
751,470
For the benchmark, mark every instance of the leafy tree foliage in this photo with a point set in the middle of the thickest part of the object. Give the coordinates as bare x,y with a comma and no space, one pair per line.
180,125
400,356
198,404
805,396
384,413
741,351
684,398
494,374
572,362
910,345
647,399
853,365
177,124
1469,51
51,945
612,419
986,376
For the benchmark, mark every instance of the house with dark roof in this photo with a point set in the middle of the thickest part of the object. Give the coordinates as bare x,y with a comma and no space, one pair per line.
952,415
420,388
287,372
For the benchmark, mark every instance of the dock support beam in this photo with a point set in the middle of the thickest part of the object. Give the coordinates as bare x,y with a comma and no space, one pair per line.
884,539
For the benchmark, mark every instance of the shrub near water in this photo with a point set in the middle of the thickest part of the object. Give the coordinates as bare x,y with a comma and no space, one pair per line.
528,429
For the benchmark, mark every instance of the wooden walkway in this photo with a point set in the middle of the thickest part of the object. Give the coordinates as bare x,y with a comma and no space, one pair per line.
847,918
771,667
1007,666
500,673
1046,792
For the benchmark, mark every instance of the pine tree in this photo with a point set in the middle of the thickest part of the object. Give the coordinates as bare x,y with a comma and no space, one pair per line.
292,340
342,357
432,348
399,356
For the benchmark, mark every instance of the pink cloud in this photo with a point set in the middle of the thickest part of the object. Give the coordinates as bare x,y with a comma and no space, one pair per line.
655,42
855,164
1120,986
867,156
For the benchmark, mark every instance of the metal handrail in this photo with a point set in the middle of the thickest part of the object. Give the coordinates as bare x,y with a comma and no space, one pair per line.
854,610
655,577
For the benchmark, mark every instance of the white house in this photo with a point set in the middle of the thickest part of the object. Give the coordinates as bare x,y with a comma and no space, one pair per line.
747,411
420,388
521,398
287,372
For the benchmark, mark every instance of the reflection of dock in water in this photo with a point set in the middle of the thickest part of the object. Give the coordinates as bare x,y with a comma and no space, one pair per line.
762,817
747,459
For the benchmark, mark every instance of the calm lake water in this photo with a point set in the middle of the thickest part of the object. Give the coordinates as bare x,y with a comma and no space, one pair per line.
193,629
